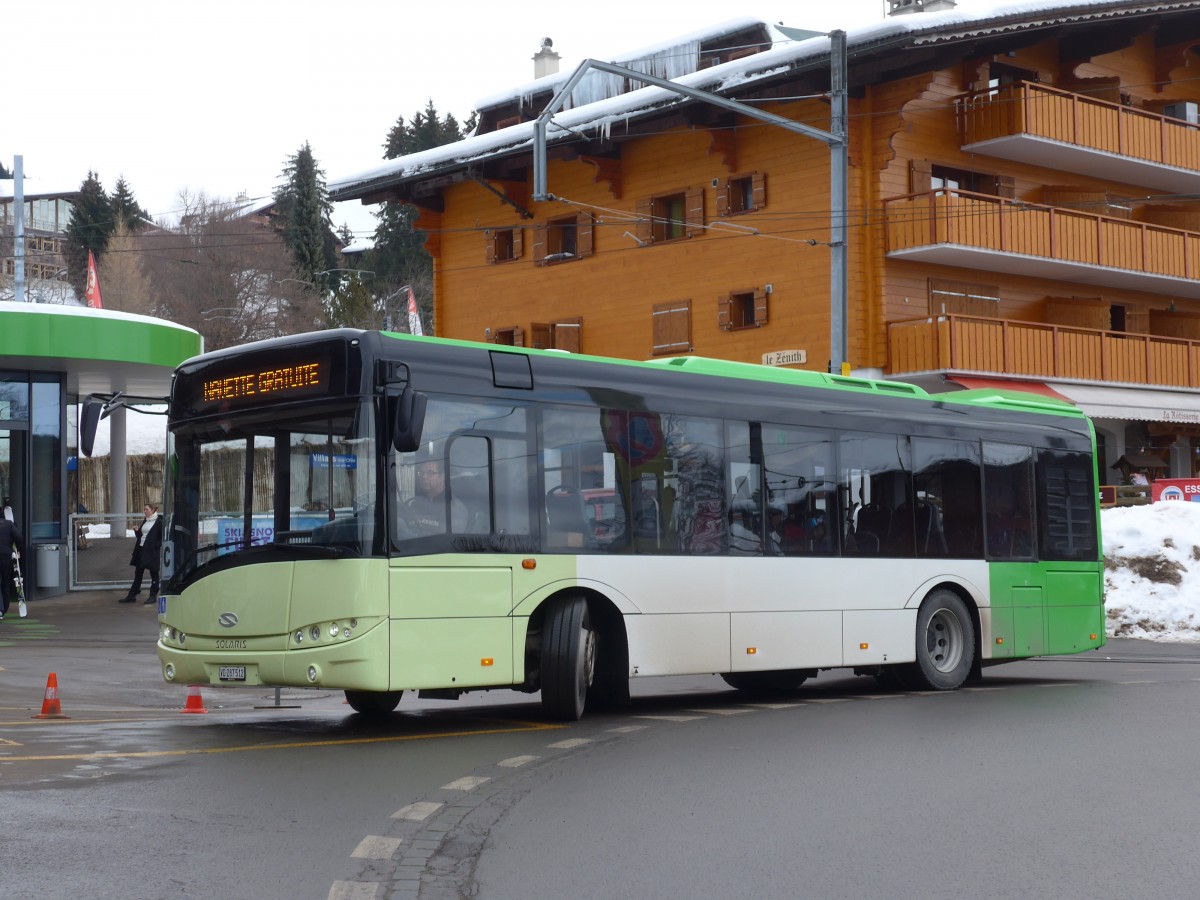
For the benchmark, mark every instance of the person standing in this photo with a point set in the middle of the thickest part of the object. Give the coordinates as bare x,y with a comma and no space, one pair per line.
11,543
146,551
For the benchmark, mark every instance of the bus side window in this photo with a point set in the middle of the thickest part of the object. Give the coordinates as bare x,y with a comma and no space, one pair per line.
469,485
1008,500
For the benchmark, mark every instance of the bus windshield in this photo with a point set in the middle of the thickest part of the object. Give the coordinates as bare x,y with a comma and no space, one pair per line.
302,484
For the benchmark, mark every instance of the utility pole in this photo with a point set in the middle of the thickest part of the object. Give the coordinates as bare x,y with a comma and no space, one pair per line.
19,229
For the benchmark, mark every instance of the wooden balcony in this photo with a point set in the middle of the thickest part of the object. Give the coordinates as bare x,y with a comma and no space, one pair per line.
995,234
958,343
1044,126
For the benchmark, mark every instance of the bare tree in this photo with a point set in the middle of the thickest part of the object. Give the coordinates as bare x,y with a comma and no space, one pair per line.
124,284
227,276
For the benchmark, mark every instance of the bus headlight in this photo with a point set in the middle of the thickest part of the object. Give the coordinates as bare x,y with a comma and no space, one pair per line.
315,633
312,674
345,632
299,637
334,629
169,672
182,639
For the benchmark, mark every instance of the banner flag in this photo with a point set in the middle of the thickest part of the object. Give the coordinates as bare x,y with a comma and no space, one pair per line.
93,285
414,318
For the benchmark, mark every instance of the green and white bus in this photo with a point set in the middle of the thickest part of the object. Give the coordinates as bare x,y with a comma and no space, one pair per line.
596,520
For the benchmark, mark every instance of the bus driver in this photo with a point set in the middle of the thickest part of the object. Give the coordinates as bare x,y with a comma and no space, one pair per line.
425,511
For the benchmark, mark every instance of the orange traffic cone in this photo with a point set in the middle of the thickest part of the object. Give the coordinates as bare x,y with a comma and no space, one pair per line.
195,701
51,705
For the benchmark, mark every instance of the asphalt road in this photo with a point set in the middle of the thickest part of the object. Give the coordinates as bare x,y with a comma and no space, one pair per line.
1057,777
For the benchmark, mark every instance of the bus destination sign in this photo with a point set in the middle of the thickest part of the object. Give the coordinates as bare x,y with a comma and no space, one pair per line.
267,385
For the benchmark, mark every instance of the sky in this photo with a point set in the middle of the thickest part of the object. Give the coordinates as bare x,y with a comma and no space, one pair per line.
1146,549
213,98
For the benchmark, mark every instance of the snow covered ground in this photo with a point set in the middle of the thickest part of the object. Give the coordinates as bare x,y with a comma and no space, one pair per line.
1152,571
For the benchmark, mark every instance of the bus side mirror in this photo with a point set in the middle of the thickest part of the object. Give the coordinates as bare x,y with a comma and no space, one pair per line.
409,420
89,421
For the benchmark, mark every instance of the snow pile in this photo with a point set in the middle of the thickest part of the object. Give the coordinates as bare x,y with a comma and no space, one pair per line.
1152,571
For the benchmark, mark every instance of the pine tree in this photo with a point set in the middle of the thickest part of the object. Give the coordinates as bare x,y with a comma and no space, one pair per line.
399,256
4,172
304,209
90,227
126,208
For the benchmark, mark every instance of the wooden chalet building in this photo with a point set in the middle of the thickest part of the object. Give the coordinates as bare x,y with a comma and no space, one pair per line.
1021,208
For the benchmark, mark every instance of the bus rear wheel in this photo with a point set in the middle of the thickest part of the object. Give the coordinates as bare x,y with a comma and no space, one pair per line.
568,663
373,703
779,682
945,643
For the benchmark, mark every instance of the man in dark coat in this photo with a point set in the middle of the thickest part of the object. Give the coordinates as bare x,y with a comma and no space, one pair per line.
146,551
10,540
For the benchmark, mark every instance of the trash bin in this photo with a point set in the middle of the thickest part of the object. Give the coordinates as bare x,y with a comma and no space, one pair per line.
47,565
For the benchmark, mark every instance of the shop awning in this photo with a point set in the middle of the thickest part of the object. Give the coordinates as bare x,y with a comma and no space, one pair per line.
972,383
1139,404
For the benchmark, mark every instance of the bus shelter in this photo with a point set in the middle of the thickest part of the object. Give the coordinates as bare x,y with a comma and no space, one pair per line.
50,358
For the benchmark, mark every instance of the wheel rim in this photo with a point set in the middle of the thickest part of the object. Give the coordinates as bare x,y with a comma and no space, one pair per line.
587,671
944,640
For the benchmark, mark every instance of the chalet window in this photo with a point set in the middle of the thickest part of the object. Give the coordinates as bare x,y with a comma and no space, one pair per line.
742,309
667,217
741,194
565,334
964,298
562,239
510,336
503,244
925,177
672,327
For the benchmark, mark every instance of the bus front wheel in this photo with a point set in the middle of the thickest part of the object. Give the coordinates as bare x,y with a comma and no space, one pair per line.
373,703
568,663
945,643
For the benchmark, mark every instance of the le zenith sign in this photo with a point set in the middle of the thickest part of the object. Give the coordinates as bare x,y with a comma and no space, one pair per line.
785,358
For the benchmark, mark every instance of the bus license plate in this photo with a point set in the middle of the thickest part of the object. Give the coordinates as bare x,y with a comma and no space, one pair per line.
231,673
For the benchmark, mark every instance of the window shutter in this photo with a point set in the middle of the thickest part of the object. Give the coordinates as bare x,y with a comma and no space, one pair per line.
518,234
724,312
920,176
539,244
760,307
490,239
539,336
722,199
694,207
492,335
583,235
645,212
758,185
568,334
672,327
1006,186
518,334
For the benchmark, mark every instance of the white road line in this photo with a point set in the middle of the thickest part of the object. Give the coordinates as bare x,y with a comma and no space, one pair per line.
672,718
375,847
776,705
417,812
879,696
466,783
353,890
829,700
722,712
514,762
570,744
625,729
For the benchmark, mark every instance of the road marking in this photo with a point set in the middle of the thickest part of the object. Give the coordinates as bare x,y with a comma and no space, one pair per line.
375,847
672,718
4,742
344,742
569,744
625,729
417,812
514,762
776,705
722,712
829,700
354,890
466,783
1137,682
878,696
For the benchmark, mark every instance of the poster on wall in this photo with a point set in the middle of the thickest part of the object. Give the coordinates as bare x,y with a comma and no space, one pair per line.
1176,489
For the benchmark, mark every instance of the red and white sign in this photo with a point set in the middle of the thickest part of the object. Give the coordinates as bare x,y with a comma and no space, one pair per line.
1176,489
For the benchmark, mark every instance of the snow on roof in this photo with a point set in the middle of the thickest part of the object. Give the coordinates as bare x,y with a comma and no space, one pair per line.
603,115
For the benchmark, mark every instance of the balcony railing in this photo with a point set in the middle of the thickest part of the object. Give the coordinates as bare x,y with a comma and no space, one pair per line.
961,343
982,231
1026,121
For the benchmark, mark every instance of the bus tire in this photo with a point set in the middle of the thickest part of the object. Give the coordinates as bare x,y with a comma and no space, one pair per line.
374,703
945,643
777,682
568,663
